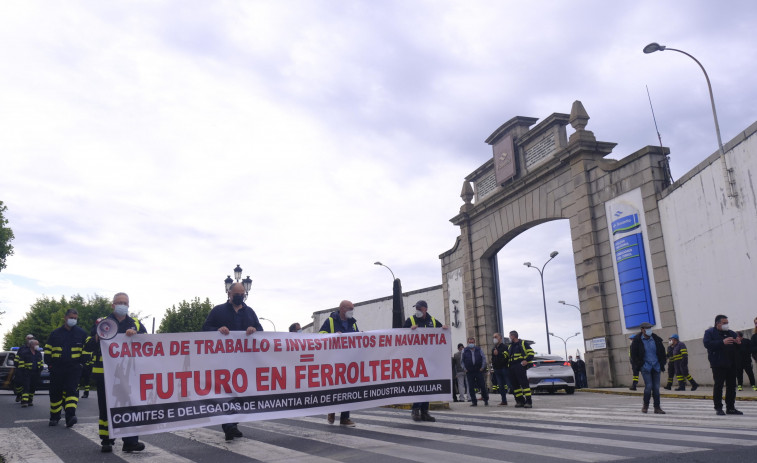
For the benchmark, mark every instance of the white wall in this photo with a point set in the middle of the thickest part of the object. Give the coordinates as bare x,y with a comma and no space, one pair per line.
711,245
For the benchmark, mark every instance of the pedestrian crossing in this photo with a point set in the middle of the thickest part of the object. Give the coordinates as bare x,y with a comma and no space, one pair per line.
577,434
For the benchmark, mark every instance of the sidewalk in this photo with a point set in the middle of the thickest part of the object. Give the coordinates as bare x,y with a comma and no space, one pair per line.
703,392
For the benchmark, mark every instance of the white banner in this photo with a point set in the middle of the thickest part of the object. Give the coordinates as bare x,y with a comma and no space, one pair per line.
164,382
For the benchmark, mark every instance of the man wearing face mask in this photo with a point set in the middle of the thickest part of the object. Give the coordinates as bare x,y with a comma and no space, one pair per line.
128,326
422,319
64,347
723,353
648,356
234,315
474,363
341,321
499,365
519,358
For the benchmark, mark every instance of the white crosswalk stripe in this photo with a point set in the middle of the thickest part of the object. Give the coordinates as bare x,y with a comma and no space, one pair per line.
579,434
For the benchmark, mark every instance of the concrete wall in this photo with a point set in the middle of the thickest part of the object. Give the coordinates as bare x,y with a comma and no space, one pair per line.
711,245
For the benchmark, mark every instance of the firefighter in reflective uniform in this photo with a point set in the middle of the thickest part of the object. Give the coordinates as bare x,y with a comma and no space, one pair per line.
634,370
520,357
671,365
85,382
422,319
64,347
29,368
681,359
128,326
18,387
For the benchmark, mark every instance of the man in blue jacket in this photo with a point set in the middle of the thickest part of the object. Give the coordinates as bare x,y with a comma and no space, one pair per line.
341,321
474,363
723,353
648,356
234,315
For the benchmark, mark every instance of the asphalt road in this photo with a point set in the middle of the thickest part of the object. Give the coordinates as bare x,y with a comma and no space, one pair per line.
585,426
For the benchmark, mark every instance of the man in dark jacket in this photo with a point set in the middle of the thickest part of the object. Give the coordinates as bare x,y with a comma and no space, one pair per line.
745,362
64,348
234,315
341,321
648,356
29,370
422,319
723,353
474,363
580,372
520,358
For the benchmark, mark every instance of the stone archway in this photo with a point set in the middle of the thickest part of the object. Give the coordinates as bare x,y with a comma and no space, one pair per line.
539,174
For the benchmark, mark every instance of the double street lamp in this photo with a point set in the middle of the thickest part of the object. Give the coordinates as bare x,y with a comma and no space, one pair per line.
730,187
565,342
247,282
552,255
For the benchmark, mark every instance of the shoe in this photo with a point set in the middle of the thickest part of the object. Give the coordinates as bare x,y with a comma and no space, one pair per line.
348,422
426,417
694,386
85,395
719,412
680,389
502,404
330,418
106,447
486,403
234,431
528,406
668,387
739,388
519,405
31,404
53,422
645,409
24,405
70,421
136,447
658,411
733,411
227,434
632,388
474,405
416,414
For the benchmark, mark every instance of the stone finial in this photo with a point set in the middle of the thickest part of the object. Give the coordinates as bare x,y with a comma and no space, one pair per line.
578,120
467,195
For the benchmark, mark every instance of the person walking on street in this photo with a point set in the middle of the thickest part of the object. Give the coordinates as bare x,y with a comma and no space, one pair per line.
681,358
422,319
457,362
474,363
29,369
499,367
520,357
648,355
722,346
745,361
233,315
341,321
64,347
671,365
127,326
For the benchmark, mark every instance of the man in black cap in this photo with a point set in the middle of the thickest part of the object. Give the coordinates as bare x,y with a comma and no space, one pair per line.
423,320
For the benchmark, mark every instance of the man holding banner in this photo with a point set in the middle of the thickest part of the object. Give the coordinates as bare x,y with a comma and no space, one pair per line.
341,321
234,315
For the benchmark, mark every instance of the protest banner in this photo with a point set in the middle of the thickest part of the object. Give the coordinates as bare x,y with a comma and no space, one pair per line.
164,382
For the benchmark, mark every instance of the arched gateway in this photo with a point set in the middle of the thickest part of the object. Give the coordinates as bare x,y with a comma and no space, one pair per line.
539,174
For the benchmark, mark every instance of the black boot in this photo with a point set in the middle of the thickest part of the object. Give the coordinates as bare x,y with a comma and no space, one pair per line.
416,414
633,386
694,385
426,417
681,387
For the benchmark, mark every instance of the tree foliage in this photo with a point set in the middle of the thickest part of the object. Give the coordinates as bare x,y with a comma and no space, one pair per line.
188,317
6,236
46,314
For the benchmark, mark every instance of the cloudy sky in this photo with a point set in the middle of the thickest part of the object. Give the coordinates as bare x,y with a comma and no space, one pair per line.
150,147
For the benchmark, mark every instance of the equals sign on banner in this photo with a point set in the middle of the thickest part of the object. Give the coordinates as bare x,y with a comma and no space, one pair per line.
307,357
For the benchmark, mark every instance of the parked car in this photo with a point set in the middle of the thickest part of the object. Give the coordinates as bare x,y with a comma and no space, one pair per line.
551,373
8,370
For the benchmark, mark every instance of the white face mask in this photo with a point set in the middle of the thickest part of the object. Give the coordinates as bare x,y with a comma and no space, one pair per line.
496,340
724,327
648,331
71,322
419,314
349,313
121,310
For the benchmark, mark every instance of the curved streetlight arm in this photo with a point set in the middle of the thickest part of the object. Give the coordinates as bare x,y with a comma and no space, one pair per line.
565,303
390,270
269,321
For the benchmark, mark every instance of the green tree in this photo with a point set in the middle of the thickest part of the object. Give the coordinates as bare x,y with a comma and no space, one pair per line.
46,314
6,236
188,317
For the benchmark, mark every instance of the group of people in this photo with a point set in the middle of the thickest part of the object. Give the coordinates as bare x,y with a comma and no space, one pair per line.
728,352
509,365
579,371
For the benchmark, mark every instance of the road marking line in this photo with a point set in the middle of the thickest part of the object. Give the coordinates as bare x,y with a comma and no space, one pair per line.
21,445
150,453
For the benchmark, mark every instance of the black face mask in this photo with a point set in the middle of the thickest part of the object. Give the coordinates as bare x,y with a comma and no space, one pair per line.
237,299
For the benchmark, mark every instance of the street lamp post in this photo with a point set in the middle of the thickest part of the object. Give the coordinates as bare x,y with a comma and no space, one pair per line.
565,303
552,255
247,282
565,342
269,321
730,186
398,307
